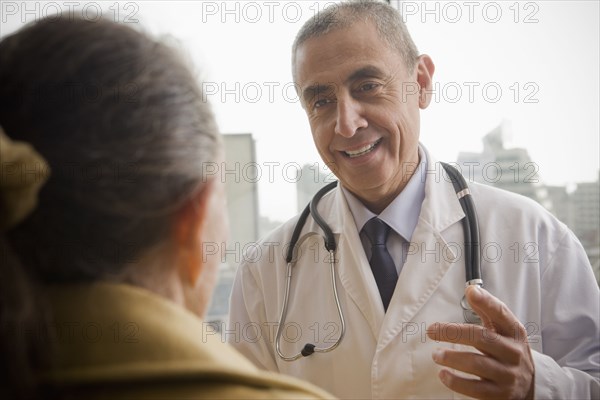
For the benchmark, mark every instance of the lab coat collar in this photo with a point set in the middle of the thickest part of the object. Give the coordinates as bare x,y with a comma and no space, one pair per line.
418,280
402,214
430,256
440,207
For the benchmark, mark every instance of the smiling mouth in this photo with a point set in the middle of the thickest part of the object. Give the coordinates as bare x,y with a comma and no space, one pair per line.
363,150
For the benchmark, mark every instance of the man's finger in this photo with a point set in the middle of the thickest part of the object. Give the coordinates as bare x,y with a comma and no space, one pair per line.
495,314
477,388
485,340
472,363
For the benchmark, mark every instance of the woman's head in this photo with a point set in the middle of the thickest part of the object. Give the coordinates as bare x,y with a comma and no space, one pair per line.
126,132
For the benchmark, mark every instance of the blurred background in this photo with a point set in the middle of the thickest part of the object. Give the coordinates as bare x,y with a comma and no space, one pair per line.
515,100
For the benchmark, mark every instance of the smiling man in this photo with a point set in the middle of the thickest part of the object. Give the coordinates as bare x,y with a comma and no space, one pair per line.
369,89
400,261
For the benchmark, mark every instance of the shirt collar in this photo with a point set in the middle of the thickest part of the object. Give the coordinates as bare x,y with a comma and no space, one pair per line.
402,214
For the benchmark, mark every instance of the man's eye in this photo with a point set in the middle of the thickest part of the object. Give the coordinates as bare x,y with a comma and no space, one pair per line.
320,103
368,86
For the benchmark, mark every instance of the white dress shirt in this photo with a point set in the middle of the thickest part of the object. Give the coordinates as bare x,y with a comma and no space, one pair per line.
402,214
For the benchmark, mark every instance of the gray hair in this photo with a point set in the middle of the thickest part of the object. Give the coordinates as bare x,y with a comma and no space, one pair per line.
387,20
124,157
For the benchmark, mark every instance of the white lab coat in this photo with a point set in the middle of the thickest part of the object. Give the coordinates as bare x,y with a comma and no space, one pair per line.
531,261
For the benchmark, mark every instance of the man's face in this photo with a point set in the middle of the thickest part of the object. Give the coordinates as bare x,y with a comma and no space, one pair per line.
363,106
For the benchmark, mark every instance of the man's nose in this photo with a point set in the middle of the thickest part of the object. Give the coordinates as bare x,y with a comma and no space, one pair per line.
350,117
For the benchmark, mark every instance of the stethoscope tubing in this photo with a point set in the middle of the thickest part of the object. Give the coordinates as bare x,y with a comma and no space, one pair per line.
470,223
331,246
472,262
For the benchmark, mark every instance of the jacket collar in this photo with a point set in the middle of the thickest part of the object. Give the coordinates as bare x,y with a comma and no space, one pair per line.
107,332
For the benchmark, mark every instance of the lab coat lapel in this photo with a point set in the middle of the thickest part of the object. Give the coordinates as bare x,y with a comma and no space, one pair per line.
429,257
354,270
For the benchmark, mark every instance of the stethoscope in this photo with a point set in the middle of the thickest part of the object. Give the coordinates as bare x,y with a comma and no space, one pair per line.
472,259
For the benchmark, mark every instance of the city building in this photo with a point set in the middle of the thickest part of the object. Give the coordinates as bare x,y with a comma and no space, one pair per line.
239,173
507,168
586,220
512,169
586,211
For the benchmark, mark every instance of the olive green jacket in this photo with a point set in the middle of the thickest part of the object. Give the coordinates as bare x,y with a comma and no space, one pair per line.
123,342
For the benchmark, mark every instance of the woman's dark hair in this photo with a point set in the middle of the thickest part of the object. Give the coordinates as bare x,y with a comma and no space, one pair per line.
125,129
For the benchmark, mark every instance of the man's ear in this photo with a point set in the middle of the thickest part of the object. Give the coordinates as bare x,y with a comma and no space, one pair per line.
425,69
188,233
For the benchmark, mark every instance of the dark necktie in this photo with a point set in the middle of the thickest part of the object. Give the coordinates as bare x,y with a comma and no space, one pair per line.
382,264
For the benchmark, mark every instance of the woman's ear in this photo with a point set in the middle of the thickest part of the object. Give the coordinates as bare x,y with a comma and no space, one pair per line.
189,228
201,221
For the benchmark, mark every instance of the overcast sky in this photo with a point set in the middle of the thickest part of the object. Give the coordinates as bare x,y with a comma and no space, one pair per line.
533,64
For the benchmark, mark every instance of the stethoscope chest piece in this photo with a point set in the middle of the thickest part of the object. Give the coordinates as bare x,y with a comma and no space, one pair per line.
469,315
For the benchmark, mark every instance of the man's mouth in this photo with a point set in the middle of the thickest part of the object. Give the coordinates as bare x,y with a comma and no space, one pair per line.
363,150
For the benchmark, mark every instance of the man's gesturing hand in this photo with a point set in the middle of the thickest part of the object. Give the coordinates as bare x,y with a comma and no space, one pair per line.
506,367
